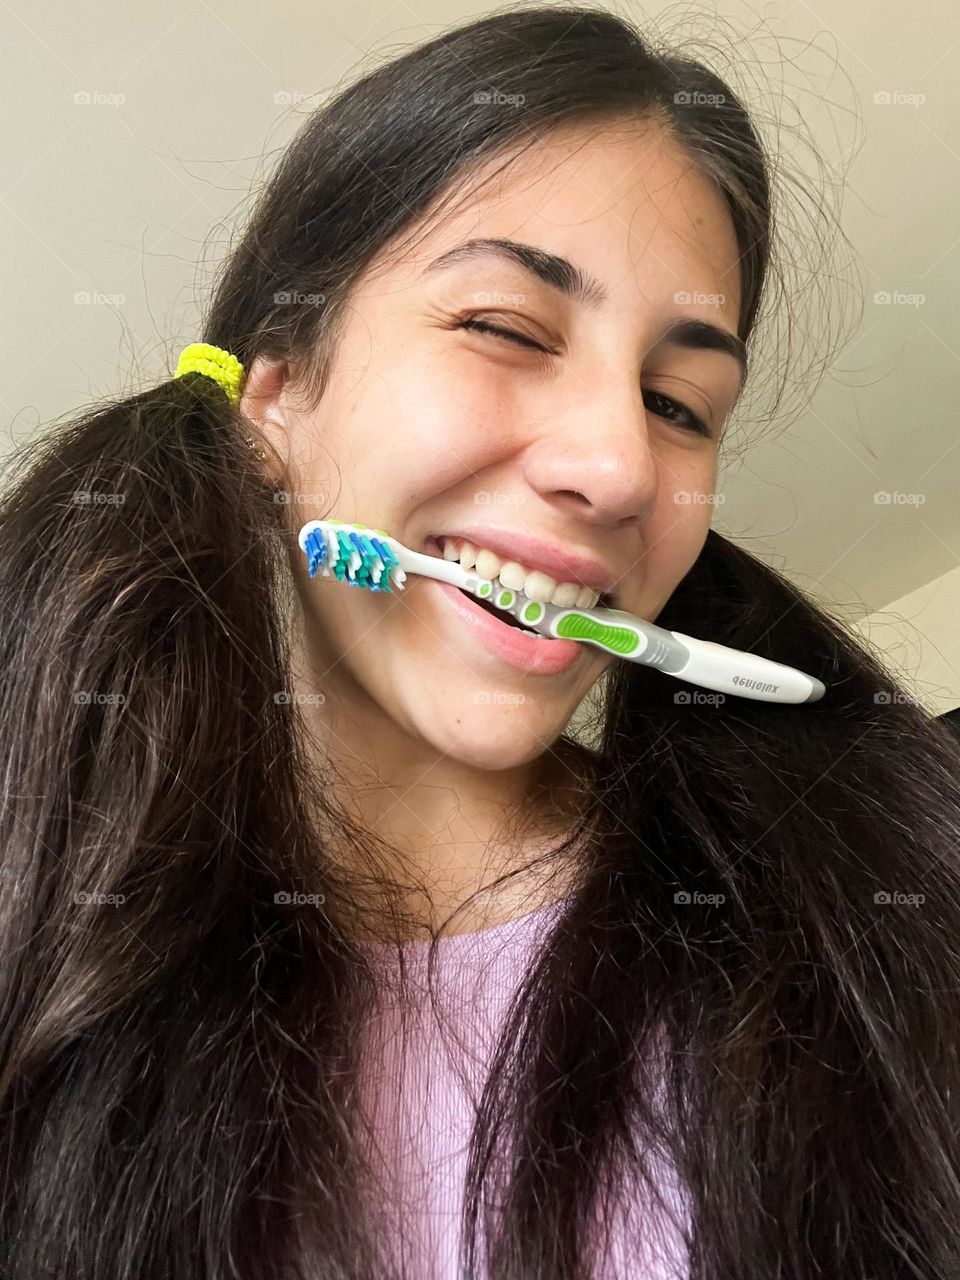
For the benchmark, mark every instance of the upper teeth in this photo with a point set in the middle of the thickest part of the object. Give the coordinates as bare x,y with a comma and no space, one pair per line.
534,584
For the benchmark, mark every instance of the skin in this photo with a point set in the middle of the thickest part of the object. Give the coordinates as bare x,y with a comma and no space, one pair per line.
419,417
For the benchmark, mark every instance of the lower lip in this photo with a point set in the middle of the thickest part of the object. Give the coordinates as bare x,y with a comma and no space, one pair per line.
525,650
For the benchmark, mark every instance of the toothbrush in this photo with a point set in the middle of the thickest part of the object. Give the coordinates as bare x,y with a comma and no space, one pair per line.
370,558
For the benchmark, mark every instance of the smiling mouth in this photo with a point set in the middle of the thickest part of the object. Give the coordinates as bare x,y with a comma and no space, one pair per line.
432,547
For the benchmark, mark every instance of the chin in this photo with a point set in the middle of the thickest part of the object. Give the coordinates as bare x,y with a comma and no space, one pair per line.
483,745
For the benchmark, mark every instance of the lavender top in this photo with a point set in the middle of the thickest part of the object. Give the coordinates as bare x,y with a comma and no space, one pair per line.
420,1084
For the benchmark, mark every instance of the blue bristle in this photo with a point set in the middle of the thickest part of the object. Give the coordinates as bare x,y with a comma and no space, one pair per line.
316,551
389,561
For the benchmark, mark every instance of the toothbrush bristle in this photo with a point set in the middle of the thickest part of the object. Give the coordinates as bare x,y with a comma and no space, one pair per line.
353,554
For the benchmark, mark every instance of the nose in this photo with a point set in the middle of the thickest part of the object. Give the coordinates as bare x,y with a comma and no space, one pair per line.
598,458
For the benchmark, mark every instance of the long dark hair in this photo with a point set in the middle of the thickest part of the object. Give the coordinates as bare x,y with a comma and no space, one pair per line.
176,1048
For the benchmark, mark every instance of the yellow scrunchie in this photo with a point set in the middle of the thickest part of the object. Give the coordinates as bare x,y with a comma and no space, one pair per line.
213,362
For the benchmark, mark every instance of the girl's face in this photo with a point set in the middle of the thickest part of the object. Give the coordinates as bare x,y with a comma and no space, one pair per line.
576,439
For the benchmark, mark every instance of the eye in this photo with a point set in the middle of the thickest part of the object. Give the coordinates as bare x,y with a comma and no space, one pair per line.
681,414
481,326
687,417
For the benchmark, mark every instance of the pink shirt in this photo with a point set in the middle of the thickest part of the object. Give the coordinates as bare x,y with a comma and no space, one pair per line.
419,1091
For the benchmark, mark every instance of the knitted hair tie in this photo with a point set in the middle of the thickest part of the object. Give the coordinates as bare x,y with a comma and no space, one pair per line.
224,368
213,362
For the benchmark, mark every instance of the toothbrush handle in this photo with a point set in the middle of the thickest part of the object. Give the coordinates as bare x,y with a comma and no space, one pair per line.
745,674
701,662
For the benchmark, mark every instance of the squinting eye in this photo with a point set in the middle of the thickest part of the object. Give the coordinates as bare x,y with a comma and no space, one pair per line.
688,419
481,326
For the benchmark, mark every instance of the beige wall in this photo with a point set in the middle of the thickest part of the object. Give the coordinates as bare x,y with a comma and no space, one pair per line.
918,637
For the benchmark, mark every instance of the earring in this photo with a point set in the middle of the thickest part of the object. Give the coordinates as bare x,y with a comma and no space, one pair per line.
256,448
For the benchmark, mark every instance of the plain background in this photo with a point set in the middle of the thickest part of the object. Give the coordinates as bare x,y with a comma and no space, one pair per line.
136,137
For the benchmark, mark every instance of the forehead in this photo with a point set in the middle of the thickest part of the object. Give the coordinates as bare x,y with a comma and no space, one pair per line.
624,201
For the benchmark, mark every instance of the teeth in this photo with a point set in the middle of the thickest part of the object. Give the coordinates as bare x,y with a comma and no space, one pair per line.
534,584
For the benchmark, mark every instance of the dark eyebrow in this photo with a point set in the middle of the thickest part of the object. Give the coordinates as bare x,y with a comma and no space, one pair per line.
557,272
568,279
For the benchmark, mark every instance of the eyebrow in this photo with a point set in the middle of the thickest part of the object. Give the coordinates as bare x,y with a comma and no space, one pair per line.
567,278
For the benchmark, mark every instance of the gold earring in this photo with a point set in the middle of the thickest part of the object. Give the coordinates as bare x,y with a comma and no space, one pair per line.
256,448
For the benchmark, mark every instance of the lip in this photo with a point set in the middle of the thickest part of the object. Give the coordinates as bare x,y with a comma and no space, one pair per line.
525,650
559,561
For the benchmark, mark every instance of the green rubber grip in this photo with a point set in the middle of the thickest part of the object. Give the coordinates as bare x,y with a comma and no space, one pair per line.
617,639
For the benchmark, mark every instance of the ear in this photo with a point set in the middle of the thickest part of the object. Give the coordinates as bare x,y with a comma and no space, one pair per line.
263,403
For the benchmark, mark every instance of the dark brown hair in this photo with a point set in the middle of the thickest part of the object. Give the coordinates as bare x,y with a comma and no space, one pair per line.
176,1042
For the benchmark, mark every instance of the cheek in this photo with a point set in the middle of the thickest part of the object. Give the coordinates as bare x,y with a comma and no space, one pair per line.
415,428
675,536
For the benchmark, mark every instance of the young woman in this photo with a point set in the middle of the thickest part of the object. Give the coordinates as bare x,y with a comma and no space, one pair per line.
328,949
